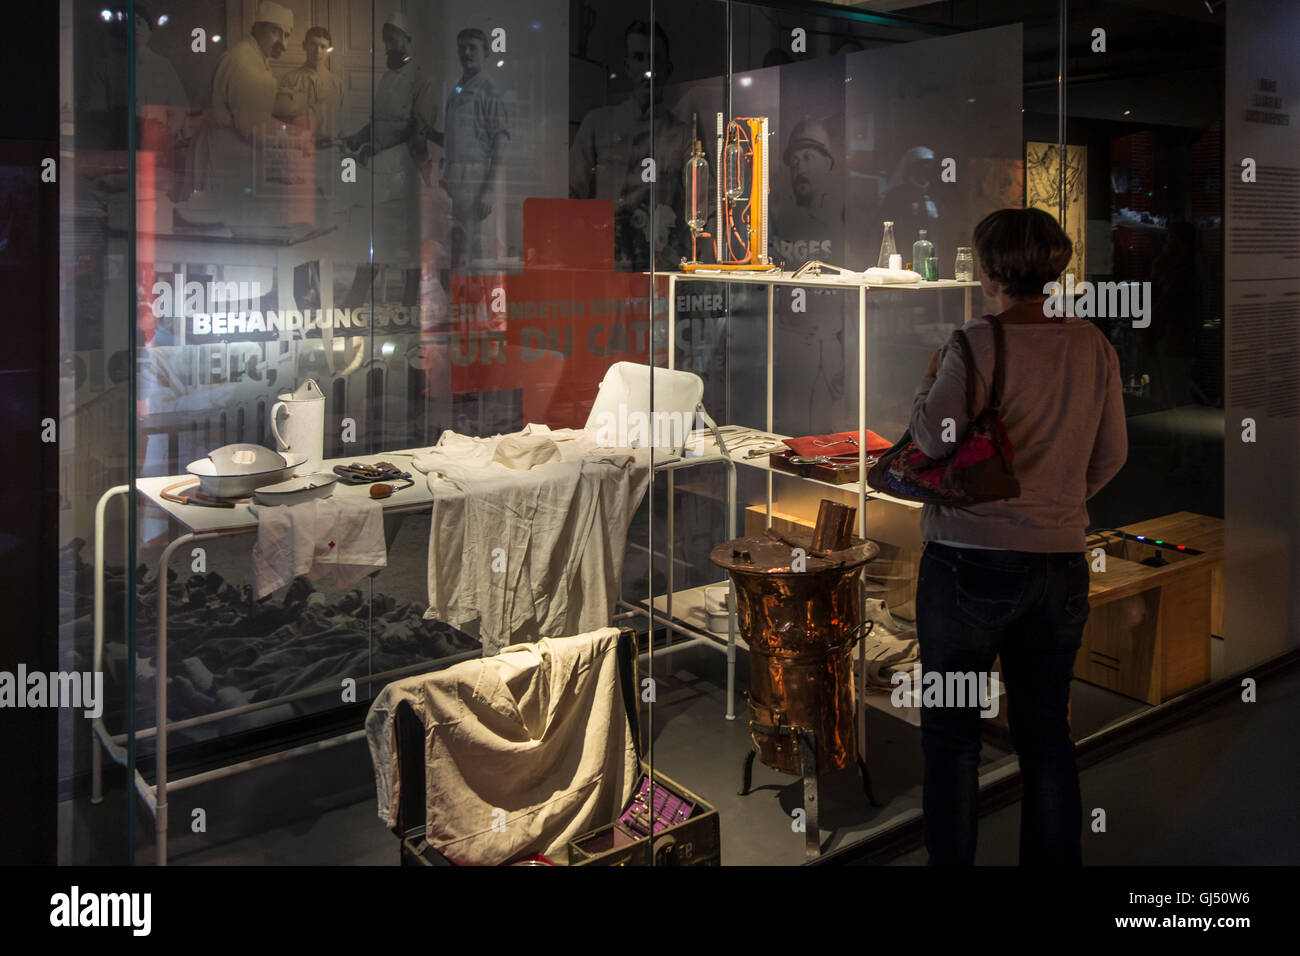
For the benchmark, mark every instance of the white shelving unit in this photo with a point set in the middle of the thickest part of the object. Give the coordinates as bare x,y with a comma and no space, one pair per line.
682,611
863,290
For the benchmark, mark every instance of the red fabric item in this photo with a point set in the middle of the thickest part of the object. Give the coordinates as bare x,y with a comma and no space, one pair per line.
837,444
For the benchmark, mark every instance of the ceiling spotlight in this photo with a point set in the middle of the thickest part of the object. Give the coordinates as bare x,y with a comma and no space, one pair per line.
162,19
1127,112
106,15
500,63
216,38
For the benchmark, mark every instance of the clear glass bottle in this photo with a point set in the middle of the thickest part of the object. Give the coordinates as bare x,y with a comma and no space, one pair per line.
735,168
887,247
696,181
922,253
964,268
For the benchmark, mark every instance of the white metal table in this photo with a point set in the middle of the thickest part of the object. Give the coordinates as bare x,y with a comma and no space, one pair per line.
205,524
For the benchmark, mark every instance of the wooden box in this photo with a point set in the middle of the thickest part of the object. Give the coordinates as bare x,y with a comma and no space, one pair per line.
1148,635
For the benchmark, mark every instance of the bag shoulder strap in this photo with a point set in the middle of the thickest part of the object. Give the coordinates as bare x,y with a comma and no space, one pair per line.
968,356
999,348
999,364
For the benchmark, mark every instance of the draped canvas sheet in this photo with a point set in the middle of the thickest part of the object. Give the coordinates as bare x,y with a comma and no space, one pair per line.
539,731
529,551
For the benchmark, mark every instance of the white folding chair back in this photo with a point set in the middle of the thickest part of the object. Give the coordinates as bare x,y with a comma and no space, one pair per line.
621,416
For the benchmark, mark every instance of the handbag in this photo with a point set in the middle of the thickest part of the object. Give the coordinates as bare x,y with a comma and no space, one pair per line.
980,467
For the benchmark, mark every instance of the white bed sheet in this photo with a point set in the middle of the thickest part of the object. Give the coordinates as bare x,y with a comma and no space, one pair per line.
529,553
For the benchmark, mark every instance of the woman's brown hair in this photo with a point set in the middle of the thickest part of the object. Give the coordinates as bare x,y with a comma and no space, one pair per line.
1022,249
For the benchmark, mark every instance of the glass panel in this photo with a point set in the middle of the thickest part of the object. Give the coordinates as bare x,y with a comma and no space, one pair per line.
94,440
1192,290
1143,203
398,232
1260,285
867,119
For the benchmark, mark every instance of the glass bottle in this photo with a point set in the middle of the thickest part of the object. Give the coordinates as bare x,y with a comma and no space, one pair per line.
922,253
696,180
887,247
734,169
964,268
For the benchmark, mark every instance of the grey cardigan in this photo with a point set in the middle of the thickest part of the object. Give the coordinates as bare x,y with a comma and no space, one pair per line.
1064,411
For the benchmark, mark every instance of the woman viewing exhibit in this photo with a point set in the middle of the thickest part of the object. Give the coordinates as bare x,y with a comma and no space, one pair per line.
1010,577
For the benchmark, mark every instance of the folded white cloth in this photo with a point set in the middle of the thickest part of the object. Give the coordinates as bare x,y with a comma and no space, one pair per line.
339,538
877,275
523,452
523,751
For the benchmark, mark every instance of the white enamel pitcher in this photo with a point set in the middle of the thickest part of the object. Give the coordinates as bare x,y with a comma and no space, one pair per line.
304,425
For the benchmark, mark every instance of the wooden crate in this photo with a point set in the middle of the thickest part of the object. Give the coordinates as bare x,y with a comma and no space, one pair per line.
1148,635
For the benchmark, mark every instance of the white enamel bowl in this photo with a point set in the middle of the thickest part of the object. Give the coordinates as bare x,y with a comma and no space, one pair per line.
241,484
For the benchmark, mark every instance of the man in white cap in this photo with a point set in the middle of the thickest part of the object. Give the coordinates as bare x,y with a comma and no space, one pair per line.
243,98
397,142
243,88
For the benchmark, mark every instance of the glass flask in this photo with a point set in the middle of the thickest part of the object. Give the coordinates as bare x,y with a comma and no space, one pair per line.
887,247
696,181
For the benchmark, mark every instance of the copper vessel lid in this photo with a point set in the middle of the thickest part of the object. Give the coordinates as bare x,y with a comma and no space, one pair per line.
770,553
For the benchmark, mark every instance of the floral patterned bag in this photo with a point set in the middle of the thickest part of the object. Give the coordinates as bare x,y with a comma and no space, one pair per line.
978,470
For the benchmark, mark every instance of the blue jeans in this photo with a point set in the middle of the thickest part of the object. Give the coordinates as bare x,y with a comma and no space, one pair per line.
971,606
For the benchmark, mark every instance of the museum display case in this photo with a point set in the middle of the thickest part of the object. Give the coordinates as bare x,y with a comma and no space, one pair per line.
421,357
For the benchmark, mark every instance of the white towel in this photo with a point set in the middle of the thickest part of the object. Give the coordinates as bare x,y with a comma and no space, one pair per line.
876,275
338,538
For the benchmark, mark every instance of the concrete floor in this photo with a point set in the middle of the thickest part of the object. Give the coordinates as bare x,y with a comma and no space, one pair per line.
1217,790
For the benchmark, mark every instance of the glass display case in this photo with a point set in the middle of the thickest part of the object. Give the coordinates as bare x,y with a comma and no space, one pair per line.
404,344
